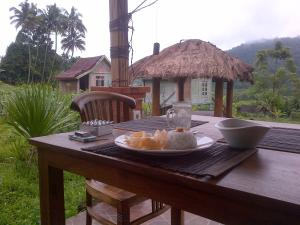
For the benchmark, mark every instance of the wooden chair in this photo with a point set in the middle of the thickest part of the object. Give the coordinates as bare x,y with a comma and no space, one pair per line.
117,108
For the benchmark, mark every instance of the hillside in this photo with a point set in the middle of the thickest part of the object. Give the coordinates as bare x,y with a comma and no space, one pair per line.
247,52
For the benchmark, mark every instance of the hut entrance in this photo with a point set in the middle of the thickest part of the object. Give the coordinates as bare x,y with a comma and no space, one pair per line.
84,83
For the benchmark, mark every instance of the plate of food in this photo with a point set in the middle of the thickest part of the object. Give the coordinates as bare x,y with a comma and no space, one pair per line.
177,142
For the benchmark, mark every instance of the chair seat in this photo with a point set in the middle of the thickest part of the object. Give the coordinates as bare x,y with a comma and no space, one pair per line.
111,194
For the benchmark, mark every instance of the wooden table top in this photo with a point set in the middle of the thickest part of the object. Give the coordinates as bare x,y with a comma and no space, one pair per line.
269,178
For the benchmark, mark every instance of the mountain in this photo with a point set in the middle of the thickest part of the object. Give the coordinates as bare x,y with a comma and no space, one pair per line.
247,52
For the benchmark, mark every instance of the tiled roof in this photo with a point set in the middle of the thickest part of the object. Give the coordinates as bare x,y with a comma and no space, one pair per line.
81,66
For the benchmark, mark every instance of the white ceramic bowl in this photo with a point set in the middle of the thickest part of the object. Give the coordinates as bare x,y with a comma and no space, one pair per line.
242,134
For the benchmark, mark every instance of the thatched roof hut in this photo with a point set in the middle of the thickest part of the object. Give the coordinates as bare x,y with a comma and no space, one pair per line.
193,59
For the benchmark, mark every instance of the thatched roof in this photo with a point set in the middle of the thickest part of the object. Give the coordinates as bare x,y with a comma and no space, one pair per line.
192,58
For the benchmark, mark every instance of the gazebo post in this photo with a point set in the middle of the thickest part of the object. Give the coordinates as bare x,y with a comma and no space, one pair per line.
188,89
218,97
229,98
156,96
180,88
119,53
119,48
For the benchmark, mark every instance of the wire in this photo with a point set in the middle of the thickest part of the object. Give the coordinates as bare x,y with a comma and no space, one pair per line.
138,8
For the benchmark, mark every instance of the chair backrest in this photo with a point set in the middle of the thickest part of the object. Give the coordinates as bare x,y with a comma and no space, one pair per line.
103,105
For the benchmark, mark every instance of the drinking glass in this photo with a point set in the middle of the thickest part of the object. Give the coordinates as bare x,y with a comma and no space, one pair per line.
180,115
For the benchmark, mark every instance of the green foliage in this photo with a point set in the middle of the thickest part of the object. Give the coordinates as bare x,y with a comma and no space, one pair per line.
18,175
201,107
147,109
15,64
295,116
273,85
5,91
37,110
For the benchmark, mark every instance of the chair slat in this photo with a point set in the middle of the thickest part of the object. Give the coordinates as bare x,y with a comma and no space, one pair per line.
118,112
104,106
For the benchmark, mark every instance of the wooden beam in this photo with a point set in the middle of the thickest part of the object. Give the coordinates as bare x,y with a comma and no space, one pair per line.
118,14
188,89
229,98
156,97
180,88
218,98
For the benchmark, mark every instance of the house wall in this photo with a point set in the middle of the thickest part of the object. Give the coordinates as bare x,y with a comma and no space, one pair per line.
197,91
101,69
168,91
68,86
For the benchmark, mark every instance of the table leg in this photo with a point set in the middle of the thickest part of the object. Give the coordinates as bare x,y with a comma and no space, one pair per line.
51,179
177,216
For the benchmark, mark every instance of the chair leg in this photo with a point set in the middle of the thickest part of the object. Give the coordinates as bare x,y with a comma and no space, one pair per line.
88,204
158,208
123,215
177,216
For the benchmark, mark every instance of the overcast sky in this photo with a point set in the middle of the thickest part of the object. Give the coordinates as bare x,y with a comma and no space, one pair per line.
225,23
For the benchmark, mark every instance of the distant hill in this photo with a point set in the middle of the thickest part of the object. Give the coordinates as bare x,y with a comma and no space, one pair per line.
247,52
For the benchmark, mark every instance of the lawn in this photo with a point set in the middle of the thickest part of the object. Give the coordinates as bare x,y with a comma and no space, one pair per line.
19,188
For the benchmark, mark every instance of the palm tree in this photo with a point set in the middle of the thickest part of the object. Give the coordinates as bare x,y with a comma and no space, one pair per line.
53,20
25,17
73,41
74,32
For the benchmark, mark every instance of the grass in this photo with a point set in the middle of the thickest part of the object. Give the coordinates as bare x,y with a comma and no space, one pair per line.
260,117
19,189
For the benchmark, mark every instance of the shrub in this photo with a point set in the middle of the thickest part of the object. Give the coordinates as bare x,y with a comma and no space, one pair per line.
201,107
295,116
37,110
5,91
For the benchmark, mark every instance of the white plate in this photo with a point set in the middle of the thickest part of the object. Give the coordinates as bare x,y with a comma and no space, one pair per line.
202,143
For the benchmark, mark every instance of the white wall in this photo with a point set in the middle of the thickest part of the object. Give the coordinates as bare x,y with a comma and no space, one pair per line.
197,97
107,79
167,87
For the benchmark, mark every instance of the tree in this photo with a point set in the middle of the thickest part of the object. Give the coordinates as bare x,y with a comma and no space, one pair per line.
36,29
15,64
25,17
273,87
75,32
54,22
73,41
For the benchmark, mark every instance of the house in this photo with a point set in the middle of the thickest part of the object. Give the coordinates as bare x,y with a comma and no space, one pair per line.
85,73
96,71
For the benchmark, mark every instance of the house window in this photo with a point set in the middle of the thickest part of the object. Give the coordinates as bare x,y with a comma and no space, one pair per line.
100,81
204,88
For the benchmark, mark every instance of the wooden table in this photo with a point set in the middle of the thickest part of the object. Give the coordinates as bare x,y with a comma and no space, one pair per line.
264,189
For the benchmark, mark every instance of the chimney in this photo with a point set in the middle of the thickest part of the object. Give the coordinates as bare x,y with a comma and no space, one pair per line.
156,48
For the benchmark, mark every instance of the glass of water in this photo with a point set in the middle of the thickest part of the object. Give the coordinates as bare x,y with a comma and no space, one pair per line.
180,115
